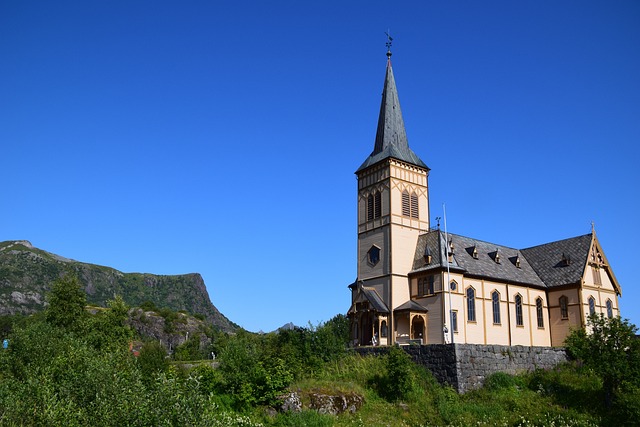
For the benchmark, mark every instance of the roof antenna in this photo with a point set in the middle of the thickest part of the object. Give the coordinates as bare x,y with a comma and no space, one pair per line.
593,227
388,44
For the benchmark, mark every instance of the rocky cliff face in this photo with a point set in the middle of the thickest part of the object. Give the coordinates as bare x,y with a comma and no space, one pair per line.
26,274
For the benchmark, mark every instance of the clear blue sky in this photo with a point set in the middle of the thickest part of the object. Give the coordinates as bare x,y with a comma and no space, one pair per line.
222,137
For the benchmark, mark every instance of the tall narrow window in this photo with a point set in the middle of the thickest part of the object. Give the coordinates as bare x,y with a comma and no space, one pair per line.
495,301
383,329
406,205
454,320
377,211
564,307
471,305
539,313
519,318
370,207
414,205
592,305
609,309
430,287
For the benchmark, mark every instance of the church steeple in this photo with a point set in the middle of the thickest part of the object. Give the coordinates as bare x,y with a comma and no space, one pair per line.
391,136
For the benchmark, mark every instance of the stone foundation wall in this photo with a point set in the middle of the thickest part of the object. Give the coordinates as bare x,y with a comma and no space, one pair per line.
465,366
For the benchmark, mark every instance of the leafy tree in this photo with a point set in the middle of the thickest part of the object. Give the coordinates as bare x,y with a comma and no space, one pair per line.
152,359
609,347
66,303
109,329
189,350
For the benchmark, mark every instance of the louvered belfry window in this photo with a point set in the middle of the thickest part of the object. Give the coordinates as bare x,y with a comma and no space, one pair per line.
370,207
374,206
406,205
414,205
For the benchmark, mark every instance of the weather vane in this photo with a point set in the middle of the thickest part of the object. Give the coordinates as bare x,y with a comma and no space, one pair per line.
388,43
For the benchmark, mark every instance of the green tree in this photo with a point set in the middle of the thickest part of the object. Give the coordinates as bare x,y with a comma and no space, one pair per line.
400,379
609,347
152,359
66,303
108,328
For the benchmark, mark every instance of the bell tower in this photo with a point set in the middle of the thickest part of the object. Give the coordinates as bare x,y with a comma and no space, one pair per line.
393,210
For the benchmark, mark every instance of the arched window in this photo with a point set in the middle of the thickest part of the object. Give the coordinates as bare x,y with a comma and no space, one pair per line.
539,312
519,318
609,309
495,301
564,307
592,305
406,204
414,205
471,305
383,329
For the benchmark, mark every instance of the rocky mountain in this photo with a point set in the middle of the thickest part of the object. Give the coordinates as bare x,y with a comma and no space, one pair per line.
26,275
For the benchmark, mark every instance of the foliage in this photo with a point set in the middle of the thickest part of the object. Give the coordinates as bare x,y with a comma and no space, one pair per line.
400,378
66,303
610,349
55,375
152,359
190,349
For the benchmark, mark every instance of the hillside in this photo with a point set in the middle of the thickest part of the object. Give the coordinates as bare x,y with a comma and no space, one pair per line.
26,274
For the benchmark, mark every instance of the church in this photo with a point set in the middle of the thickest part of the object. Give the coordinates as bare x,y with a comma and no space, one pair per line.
421,285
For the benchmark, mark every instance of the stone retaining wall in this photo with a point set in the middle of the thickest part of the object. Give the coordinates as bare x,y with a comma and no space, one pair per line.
465,366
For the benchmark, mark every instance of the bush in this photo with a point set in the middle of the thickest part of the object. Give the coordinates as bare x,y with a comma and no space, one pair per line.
400,378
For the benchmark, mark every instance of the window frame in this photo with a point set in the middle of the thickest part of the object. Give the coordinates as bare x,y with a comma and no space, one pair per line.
495,304
540,312
454,321
592,305
519,315
471,304
609,308
563,301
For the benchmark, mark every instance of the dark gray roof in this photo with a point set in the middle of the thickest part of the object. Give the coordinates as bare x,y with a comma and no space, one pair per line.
550,260
549,265
374,299
391,136
411,305
513,267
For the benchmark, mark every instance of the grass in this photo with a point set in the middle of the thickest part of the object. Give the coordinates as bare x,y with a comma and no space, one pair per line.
561,397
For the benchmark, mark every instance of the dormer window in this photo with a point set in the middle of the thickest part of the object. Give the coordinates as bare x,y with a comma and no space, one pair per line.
497,257
566,259
518,261
474,254
373,255
427,255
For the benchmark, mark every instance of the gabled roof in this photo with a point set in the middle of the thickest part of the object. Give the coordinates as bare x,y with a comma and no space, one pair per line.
370,295
549,265
562,262
391,136
411,305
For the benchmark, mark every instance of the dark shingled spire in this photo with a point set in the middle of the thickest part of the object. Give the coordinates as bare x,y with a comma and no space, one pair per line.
391,137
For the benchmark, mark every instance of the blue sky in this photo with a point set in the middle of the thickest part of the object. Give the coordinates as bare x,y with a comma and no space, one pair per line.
222,137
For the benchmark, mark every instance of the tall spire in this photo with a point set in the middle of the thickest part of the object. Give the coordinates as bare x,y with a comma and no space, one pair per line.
391,137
